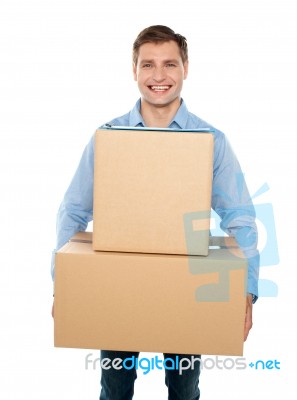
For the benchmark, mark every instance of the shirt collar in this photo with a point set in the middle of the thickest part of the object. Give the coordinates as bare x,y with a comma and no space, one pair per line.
181,117
178,122
135,118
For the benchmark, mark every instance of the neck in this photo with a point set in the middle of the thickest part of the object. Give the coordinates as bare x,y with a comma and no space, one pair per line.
158,116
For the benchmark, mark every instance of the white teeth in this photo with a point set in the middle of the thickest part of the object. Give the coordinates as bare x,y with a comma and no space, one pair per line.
160,87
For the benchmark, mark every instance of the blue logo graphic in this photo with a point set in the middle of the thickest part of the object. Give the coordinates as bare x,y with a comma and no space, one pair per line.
268,254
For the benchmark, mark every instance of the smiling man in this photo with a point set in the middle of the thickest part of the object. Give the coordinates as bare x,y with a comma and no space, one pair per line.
159,70
160,66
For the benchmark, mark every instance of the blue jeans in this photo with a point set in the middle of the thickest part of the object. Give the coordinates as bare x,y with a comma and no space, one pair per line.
118,384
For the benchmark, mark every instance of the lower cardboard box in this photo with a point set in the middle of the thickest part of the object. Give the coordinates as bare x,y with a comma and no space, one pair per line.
148,302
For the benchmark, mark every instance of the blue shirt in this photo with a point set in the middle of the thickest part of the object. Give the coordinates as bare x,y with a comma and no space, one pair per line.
230,196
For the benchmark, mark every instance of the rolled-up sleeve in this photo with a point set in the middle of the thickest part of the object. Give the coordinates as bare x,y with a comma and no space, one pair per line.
76,209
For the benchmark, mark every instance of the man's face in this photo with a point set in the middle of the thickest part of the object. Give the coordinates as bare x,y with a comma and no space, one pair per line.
160,72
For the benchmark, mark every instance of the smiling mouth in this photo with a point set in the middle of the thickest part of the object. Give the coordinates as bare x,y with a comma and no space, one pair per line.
159,88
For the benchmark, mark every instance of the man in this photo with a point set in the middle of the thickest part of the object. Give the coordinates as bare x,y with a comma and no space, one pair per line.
160,65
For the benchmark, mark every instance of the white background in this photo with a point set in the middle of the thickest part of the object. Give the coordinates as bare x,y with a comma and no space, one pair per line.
65,70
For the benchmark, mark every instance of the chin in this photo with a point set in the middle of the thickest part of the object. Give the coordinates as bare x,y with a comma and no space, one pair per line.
162,102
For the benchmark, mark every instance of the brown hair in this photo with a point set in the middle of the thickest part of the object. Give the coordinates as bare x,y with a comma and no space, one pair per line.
160,34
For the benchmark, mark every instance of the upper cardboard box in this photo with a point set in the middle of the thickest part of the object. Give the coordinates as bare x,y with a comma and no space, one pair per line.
152,191
149,302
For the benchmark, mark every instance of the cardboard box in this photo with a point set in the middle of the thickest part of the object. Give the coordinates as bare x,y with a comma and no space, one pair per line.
152,303
152,191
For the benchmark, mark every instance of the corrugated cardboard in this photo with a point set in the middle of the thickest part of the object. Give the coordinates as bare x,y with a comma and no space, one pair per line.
152,191
152,303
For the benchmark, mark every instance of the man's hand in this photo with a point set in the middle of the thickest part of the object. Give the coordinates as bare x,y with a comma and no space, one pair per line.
53,309
248,316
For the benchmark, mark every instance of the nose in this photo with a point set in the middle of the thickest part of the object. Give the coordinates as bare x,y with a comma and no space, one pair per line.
159,74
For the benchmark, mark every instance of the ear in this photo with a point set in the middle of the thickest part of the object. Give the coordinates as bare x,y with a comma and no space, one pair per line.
134,71
186,69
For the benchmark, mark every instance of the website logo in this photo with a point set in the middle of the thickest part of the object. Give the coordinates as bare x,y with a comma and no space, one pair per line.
180,364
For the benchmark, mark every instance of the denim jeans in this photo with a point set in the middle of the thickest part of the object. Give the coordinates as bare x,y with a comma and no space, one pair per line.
118,384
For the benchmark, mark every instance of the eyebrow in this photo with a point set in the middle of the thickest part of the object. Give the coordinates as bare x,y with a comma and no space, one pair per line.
165,61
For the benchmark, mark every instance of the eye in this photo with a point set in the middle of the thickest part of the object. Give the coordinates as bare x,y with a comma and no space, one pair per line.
146,66
170,65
